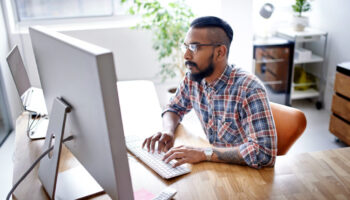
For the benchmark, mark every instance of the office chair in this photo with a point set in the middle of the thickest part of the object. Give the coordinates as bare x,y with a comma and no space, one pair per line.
290,124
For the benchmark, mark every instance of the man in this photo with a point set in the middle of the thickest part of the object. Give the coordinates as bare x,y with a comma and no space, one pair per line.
231,104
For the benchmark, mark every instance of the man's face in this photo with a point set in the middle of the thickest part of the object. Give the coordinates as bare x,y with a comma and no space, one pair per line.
200,63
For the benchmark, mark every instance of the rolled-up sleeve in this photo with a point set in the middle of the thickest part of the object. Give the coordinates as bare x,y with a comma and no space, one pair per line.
259,148
180,103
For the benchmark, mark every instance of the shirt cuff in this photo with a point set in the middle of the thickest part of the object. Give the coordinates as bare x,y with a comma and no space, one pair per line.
173,111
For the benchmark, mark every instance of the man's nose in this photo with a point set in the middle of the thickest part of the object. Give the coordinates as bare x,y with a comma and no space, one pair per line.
188,54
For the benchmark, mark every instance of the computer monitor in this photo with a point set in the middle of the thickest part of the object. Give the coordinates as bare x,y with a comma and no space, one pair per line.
32,97
84,76
19,73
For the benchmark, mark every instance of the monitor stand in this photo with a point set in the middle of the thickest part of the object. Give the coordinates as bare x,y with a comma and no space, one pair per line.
71,184
39,132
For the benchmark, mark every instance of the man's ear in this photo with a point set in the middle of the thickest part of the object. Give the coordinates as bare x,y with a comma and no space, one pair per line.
221,53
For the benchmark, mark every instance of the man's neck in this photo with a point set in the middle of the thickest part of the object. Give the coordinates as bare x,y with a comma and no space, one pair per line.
218,70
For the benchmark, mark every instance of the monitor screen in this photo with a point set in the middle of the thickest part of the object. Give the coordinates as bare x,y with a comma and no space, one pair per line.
84,76
18,71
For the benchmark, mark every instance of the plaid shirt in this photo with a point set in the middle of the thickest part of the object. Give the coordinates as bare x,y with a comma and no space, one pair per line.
234,111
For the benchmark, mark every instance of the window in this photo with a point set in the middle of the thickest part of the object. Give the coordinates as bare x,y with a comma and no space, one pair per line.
58,9
5,121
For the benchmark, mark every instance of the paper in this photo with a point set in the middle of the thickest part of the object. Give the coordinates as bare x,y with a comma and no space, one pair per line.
143,194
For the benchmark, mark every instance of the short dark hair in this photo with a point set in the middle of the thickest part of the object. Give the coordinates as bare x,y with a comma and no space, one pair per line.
215,22
211,21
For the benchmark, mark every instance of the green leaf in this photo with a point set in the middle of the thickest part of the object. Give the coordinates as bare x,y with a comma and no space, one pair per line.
169,24
301,6
131,11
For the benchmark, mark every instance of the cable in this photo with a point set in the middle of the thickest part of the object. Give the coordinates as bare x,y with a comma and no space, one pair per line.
37,117
30,122
32,126
34,120
32,166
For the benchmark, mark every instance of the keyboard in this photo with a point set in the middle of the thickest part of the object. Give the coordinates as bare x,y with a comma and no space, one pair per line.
154,160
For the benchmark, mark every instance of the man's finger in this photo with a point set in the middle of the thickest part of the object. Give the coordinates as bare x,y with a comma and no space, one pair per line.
169,153
144,142
168,146
172,151
179,148
180,162
175,155
148,144
163,138
154,139
161,146
168,142
173,148
161,143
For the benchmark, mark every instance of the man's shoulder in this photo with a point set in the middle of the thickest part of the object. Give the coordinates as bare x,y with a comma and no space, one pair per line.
244,79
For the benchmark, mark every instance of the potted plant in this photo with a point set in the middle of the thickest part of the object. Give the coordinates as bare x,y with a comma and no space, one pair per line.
299,21
169,22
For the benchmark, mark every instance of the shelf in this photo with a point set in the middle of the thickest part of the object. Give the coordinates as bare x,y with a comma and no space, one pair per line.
314,59
269,61
304,43
271,41
303,84
308,35
273,82
310,93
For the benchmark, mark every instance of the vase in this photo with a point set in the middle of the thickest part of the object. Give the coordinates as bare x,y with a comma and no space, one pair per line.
300,22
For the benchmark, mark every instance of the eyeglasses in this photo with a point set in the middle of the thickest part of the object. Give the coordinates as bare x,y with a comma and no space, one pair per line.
194,47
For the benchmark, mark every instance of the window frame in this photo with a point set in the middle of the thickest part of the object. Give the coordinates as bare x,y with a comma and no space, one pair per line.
15,9
120,17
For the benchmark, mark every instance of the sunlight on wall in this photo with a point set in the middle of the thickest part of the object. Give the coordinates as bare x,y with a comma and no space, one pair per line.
280,18
205,7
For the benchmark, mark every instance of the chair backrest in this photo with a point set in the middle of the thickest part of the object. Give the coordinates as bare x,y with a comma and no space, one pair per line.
290,124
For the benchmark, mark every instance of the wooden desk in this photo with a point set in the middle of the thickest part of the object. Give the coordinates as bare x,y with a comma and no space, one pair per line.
318,175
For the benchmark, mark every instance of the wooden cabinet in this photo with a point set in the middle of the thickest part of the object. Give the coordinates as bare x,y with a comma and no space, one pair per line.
340,120
273,59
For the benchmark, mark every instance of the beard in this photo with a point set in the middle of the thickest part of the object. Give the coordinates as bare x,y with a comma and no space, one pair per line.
198,77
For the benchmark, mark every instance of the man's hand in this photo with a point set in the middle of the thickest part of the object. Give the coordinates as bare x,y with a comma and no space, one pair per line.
184,154
165,142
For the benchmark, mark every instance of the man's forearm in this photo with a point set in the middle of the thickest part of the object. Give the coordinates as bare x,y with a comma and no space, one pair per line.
170,122
228,155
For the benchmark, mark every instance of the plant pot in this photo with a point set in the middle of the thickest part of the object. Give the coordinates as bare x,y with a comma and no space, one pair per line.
300,23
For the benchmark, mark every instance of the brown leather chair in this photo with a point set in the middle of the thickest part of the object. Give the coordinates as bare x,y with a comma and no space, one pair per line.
290,124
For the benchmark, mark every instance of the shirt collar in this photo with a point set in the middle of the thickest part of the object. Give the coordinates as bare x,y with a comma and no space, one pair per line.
221,81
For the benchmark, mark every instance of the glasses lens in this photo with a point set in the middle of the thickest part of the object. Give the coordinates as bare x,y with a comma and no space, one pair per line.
192,47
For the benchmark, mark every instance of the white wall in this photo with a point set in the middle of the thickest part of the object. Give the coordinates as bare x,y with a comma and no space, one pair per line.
12,95
133,53
134,56
280,18
238,14
334,18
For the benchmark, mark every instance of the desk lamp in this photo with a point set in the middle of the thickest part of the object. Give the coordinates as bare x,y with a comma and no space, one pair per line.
266,12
